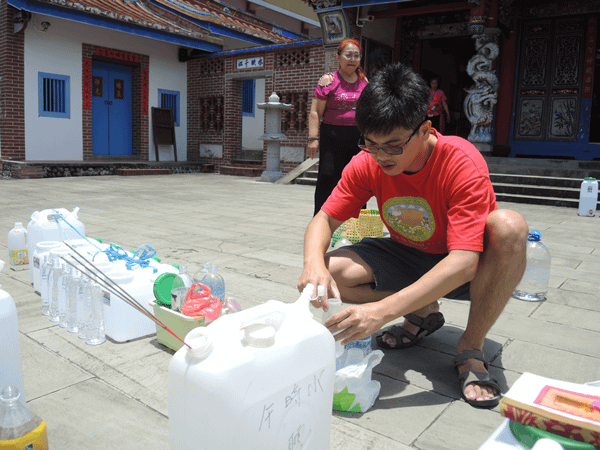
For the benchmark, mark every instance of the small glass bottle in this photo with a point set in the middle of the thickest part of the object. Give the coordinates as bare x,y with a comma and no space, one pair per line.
53,288
181,284
19,426
45,269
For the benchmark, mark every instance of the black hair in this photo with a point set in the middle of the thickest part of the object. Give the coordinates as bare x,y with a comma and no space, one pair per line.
396,97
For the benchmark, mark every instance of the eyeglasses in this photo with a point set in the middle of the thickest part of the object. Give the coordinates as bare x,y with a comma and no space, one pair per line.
394,150
352,56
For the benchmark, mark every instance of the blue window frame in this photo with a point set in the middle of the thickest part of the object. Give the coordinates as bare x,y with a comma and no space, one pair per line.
248,88
170,100
54,95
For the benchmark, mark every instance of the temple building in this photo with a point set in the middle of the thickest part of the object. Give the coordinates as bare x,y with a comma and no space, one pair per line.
88,80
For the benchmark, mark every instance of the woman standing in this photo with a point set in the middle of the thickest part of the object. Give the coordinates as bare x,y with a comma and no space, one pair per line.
438,101
331,126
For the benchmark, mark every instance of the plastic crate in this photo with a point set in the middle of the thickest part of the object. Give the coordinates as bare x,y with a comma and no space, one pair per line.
368,224
178,323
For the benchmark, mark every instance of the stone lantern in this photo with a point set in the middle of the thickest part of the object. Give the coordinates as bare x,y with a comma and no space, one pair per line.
273,136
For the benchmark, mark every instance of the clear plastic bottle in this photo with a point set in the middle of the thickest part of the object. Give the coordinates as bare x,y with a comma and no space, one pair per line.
54,287
72,287
181,284
45,269
335,306
20,428
18,253
343,241
364,344
94,330
82,312
534,284
198,276
63,281
214,281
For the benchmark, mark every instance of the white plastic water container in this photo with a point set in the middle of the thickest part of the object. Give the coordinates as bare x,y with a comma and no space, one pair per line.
11,368
47,225
261,378
18,253
588,197
42,250
123,322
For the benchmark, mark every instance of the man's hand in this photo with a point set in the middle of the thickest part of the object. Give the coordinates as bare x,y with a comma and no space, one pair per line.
319,277
356,321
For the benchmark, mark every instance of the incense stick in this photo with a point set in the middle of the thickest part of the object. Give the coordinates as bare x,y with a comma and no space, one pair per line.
123,294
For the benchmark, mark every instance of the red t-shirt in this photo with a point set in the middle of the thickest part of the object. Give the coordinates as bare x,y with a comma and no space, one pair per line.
442,207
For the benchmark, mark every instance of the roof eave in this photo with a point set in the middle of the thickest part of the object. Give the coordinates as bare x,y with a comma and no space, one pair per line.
206,43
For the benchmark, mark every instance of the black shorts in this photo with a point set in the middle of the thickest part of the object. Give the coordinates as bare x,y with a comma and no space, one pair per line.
396,266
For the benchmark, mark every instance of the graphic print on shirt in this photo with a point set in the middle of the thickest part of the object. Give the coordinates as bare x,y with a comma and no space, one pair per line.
410,217
347,101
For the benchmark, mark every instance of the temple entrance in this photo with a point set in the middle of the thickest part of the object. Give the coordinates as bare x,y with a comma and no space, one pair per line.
447,57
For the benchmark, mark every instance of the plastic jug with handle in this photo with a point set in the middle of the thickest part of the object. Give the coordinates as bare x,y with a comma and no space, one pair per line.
268,369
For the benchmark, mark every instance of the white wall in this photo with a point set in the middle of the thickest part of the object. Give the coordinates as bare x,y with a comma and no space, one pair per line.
50,138
59,51
166,72
254,127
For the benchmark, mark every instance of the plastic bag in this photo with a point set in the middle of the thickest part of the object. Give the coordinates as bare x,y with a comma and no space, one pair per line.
354,390
199,302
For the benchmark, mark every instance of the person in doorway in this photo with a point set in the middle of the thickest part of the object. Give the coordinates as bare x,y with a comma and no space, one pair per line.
331,127
438,105
447,236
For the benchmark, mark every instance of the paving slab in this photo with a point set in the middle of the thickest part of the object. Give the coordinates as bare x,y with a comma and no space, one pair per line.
115,395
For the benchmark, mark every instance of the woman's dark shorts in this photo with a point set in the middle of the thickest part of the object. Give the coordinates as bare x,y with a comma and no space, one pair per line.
396,266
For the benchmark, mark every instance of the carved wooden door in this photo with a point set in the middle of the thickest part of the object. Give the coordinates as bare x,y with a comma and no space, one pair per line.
549,82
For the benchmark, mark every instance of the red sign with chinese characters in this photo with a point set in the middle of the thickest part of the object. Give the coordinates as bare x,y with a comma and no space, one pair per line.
87,83
590,58
117,54
145,91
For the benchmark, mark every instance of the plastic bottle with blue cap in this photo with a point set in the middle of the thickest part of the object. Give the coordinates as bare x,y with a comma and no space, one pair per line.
534,284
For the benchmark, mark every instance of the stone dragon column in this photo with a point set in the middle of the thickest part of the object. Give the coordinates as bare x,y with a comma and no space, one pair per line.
479,105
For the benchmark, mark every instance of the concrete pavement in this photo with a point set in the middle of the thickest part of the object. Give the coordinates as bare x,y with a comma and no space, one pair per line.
115,395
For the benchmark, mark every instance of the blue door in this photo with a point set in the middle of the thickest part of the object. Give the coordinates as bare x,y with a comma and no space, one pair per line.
111,109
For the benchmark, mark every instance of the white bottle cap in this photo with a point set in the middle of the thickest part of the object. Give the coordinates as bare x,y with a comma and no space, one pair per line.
200,343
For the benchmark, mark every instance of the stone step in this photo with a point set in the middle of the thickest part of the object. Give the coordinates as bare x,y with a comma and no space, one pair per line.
241,171
537,200
536,190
